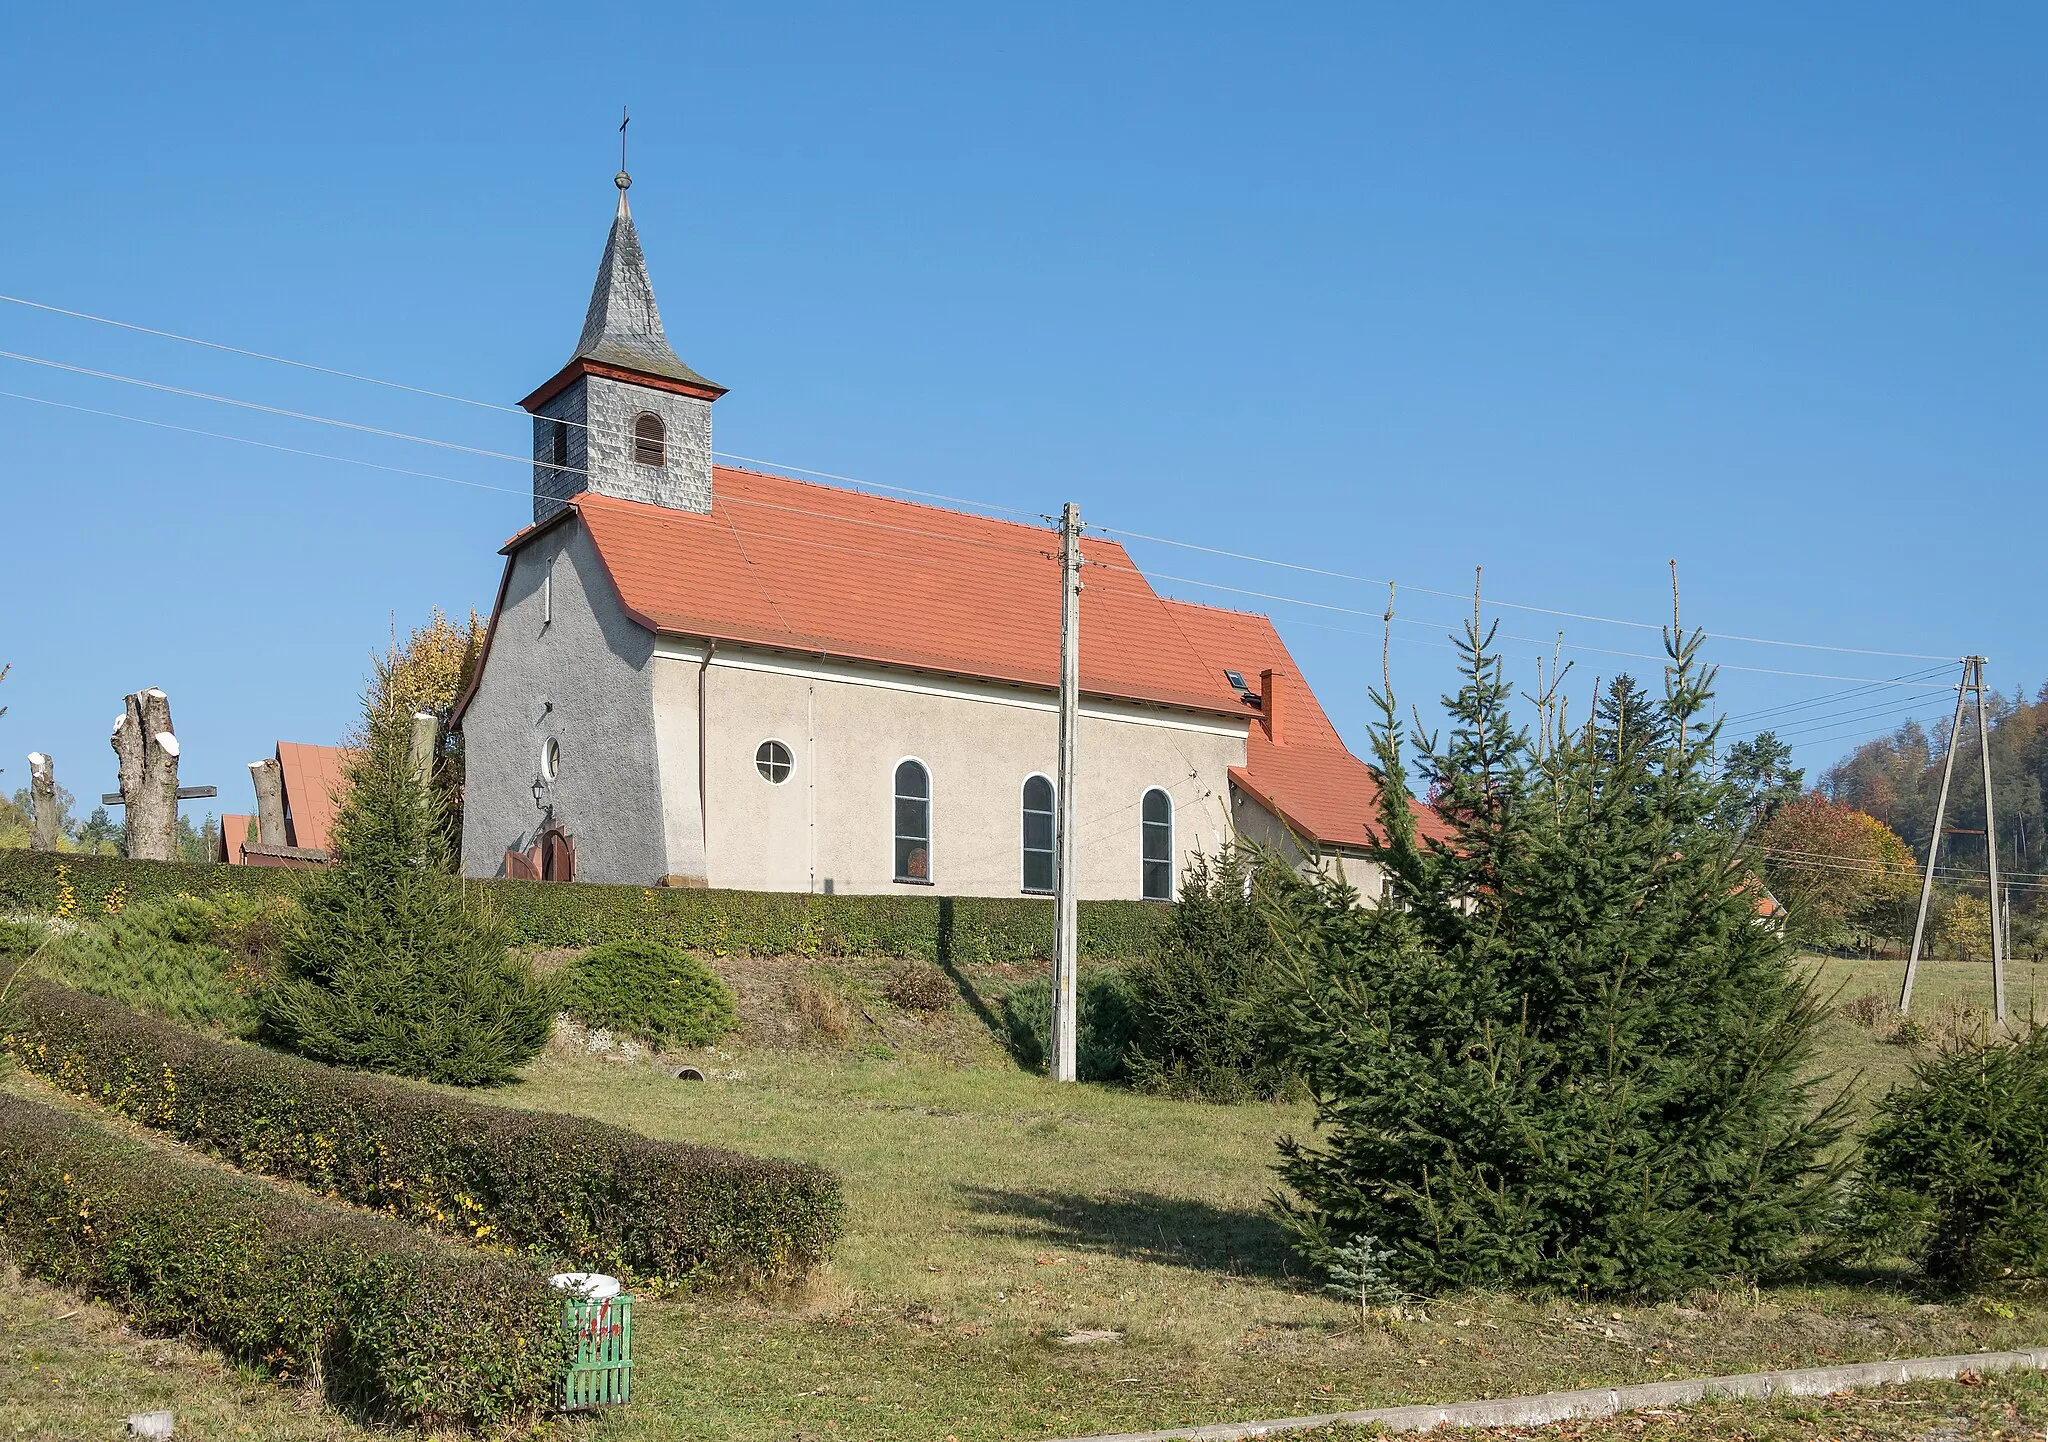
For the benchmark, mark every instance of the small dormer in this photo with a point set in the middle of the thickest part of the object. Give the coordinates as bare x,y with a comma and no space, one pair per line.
625,417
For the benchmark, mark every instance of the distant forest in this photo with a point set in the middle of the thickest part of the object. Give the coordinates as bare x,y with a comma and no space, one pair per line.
1897,778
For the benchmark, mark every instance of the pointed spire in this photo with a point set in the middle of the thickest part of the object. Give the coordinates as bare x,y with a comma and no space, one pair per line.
623,325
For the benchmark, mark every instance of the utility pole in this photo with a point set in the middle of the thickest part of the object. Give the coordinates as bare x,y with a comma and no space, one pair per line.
1948,771
1971,684
1066,948
1991,852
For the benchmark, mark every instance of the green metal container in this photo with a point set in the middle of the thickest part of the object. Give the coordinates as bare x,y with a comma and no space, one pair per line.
602,1374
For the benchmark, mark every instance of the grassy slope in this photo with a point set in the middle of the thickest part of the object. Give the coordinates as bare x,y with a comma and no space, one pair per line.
992,1213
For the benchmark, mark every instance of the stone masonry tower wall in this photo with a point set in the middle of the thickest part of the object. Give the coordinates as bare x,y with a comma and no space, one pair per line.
598,447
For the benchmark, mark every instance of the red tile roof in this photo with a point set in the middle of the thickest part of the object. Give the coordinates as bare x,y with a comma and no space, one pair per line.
314,781
1313,782
234,835
835,572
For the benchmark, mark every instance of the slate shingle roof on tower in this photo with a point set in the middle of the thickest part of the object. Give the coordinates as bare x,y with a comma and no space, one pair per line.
623,325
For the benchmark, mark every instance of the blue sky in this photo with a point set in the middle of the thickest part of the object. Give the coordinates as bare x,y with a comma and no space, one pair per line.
1565,291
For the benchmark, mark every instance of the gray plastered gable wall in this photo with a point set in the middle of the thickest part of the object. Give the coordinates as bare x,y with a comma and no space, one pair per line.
581,677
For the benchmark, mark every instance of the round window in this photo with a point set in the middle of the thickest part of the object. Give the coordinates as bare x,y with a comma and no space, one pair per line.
550,758
773,762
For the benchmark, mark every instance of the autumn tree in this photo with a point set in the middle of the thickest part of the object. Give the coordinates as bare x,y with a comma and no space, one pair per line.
1966,927
428,672
1838,870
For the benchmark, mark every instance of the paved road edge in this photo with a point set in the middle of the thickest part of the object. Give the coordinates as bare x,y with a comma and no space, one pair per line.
1546,1407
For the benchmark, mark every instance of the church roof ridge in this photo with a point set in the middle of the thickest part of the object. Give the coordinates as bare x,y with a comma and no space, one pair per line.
622,326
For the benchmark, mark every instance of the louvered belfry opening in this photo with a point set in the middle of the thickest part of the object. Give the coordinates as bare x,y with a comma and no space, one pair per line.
650,440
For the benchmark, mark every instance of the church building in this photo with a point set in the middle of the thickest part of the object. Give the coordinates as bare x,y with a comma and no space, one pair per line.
697,675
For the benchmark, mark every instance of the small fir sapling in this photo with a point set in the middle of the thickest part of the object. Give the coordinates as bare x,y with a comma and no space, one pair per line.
1357,1272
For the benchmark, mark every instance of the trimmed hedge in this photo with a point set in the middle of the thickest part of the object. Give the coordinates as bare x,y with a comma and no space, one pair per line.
395,1326
936,928
667,1213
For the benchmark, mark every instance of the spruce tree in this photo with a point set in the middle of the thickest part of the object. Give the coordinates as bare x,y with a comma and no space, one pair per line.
396,965
1565,1056
1202,1001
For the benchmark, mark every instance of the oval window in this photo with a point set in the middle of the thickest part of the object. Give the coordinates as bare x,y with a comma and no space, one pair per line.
773,762
550,758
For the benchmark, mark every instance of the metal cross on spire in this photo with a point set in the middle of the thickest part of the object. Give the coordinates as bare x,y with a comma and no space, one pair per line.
623,180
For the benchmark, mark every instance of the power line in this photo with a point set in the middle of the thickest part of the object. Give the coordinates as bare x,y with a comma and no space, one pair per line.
1826,720
1505,605
1826,862
1825,697
280,411
924,562
471,401
1531,640
1135,535
258,355
266,445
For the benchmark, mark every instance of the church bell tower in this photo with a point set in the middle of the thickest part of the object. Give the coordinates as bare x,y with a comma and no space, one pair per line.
625,417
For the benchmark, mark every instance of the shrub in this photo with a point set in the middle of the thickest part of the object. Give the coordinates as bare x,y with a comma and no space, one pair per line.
650,990
398,1327
1568,1058
1203,1003
920,986
823,1013
542,913
1103,1020
567,1187
1955,1166
396,966
198,961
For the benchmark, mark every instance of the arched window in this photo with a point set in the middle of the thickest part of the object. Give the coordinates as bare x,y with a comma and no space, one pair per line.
913,823
650,440
1040,835
1158,845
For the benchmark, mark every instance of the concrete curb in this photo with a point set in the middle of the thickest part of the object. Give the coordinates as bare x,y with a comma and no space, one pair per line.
1546,1407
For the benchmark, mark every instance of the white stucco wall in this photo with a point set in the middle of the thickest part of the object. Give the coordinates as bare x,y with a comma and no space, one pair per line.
847,726
1258,825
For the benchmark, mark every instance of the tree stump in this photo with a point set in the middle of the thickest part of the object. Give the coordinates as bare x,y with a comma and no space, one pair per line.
148,749
42,797
268,777
426,744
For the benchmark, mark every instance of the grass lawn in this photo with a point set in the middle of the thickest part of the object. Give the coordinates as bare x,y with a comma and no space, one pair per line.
69,1369
996,1221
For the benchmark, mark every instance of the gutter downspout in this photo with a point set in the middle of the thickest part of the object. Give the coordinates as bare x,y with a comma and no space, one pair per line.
703,748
